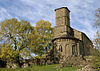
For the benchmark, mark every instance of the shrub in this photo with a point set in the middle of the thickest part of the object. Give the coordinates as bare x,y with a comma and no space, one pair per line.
95,63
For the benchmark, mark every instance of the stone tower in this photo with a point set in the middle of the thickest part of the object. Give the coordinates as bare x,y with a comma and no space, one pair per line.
62,27
62,16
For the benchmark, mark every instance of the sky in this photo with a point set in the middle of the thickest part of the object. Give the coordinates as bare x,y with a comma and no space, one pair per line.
82,12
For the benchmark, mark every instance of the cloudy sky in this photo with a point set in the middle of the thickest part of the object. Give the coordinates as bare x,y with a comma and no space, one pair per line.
82,12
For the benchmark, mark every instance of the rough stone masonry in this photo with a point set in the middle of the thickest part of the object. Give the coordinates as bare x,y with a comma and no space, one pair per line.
68,41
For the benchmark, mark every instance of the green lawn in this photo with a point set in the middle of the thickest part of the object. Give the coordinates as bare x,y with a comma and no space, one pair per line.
54,67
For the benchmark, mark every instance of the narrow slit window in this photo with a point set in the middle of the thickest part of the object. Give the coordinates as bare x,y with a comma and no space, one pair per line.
61,48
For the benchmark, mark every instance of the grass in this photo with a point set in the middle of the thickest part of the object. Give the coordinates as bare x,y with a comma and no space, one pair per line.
96,62
54,67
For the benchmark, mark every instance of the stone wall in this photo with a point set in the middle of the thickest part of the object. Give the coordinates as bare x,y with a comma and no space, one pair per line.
60,31
73,61
62,16
88,46
62,22
66,47
77,34
11,65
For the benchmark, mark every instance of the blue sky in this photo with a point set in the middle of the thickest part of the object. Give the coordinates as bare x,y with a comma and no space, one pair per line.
82,12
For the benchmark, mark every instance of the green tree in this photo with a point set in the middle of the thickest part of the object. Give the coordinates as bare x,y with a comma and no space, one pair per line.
45,36
18,38
7,53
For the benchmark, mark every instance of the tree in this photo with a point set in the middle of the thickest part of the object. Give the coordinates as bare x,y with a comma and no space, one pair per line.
97,22
20,39
7,53
97,25
17,37
45,33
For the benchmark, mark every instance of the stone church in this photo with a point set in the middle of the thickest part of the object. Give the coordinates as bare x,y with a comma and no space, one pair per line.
68,41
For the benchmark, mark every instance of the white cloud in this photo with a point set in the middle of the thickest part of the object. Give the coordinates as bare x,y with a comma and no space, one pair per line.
82,12
4,14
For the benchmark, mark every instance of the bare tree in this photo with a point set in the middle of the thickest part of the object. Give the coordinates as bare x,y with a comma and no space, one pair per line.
97,25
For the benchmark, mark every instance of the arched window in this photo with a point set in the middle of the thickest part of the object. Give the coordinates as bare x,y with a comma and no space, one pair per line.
73,49
60,48
66,48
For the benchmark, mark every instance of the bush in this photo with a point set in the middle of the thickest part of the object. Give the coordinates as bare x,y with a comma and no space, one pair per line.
95,63
96,52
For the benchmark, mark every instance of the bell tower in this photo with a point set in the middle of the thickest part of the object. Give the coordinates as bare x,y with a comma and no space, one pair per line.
62,22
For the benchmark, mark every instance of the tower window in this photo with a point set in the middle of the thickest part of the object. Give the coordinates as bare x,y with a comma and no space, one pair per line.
73,49
60,48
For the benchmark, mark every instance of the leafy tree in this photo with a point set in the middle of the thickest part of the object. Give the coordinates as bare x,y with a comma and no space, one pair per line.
18,38
45,35
97,25
7,53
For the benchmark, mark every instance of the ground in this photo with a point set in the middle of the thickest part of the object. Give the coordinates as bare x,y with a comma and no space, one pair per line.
54,67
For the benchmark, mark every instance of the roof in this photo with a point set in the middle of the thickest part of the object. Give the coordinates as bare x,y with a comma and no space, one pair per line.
61,8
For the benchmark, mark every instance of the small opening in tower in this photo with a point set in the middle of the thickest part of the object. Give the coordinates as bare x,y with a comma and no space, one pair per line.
61,48
73,49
